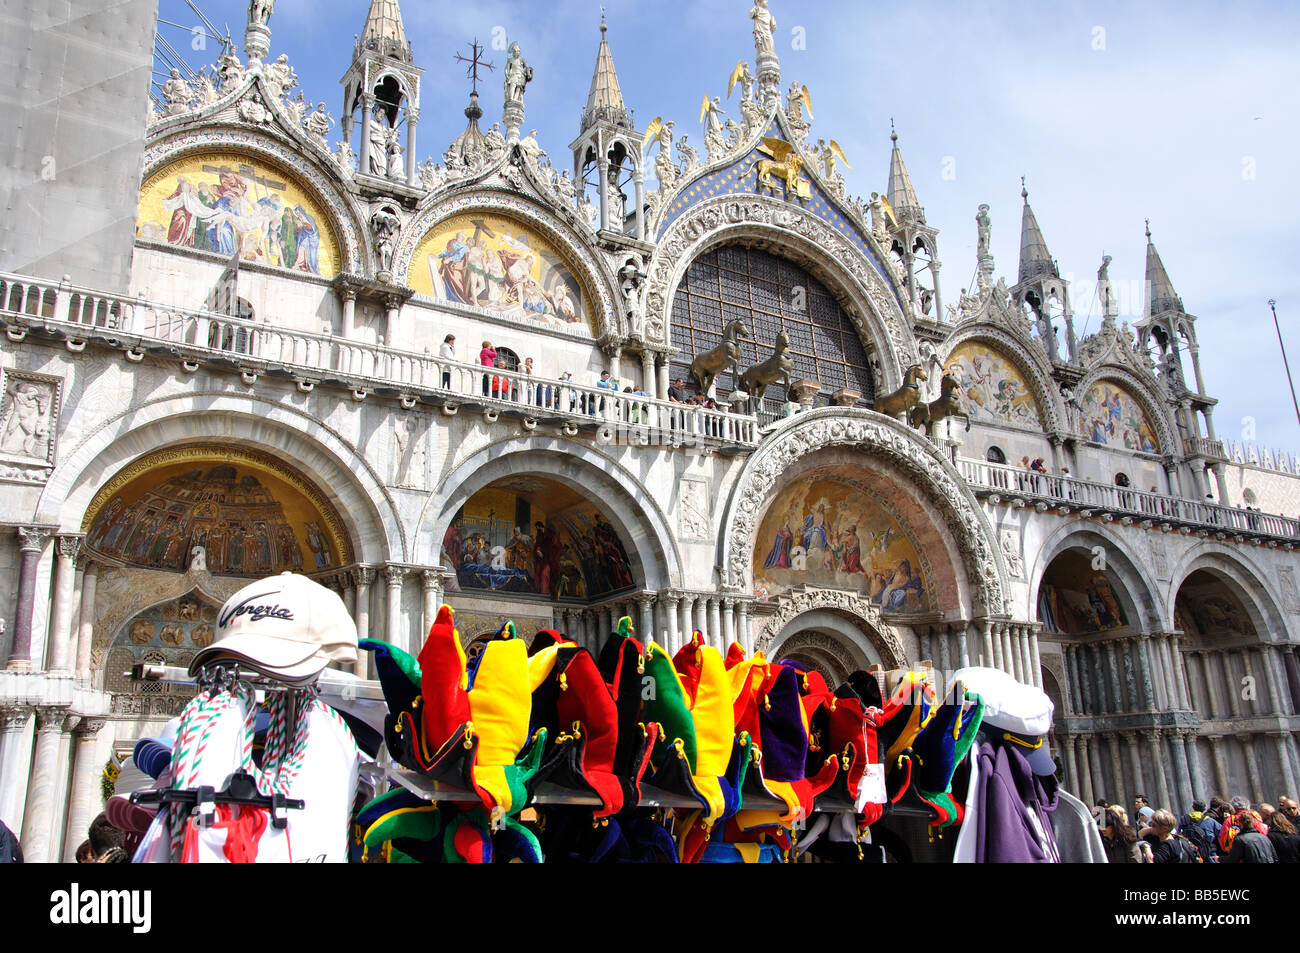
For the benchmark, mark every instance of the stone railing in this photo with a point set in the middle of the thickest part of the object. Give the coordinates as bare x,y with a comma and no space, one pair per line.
311,358
994,479
1203,447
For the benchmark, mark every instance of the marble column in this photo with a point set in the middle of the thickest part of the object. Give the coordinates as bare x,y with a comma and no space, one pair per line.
745,637
412,123
1158,758
1073,702
1126,650
1085,771
13,767
31,541
1096,670
1259,704
367,104
672,615
939,637
40,786
363,577
589,629
728,623
1070,744
702,616
646,603
59,790
1208,679
1144,675
923,640
1180,671
1254,780
963,649
1195,771
61,650
1097,755
1115,790
1280,744
688,620
394,576
84,801
432,580
1182,774
1228,681
1011,663
1027,663
715,624
1112,668
1277,678
1222,779
86,621
1140,777
990,657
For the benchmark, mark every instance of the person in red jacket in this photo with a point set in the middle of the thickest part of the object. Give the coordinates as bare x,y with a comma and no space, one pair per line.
488,358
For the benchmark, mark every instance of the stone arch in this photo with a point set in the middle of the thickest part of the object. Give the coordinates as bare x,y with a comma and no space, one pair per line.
630,507
1243,578
1026,358
881,438
1141,391
346,217
1138,594
593,274
852,622
794,233
339,468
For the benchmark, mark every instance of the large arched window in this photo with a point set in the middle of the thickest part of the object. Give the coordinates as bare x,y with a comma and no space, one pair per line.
769,295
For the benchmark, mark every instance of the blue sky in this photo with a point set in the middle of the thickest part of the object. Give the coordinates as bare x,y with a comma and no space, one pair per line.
1184,113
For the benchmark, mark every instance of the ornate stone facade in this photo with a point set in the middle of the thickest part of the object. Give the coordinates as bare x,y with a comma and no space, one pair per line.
527,490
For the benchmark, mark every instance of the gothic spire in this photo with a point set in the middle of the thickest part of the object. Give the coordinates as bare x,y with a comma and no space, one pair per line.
384,32
1160,290
605,101
902,197
1035,259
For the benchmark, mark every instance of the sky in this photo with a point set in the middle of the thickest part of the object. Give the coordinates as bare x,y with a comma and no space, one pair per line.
1184,113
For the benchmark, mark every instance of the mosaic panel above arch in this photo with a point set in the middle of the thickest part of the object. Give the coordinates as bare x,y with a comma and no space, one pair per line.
533,536
498,263
993,388
251,514
831,529
1113,417
223,202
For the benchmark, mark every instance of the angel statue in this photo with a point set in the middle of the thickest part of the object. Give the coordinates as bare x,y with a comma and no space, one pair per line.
829,154
714,141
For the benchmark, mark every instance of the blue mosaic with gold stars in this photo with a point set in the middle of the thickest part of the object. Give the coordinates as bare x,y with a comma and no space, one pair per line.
741,177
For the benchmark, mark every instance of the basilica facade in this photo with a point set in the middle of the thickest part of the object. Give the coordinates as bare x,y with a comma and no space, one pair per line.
707,389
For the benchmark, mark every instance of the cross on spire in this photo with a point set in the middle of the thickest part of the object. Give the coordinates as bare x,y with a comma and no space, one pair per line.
474,60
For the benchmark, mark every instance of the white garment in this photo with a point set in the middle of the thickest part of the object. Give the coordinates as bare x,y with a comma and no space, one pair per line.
964,852
327,783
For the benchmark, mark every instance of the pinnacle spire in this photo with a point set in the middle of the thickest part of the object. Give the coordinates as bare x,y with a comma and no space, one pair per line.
1160,290
605,100
901,194
384,32
1035,259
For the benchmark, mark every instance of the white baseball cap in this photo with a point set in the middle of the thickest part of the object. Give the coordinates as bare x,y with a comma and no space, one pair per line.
1015,708
284,626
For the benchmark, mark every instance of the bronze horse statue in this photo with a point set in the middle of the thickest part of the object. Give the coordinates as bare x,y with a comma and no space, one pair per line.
948,404
707,366
777,367
906,397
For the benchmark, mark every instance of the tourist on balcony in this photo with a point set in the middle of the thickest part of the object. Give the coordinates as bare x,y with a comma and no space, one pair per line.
676,395
488,358
605,383
567,377
538,394
447,352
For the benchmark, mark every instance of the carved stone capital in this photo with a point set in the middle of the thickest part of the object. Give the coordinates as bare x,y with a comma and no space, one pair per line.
363,576
69,546
88,728
31,539
396,575
50,718
13,719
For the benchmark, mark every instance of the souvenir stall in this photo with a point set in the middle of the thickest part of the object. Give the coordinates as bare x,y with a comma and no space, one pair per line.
547,753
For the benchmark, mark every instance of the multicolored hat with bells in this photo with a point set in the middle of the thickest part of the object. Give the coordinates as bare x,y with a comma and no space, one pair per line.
622,666
472,727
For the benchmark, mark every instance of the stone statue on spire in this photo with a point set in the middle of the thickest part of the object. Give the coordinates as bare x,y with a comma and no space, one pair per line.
259,11
518,75
764,28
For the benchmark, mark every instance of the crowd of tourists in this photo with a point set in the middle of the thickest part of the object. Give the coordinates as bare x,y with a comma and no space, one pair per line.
1222,832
